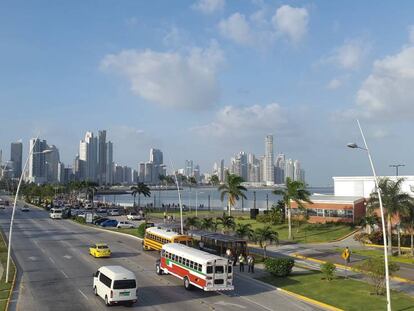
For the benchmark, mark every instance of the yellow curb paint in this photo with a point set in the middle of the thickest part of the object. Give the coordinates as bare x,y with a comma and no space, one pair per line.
382,246
395,278
310,300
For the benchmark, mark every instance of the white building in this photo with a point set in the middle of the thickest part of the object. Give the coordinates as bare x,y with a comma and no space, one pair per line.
269,170
365,185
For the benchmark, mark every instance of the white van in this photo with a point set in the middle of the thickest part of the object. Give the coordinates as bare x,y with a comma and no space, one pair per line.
115,284
56,213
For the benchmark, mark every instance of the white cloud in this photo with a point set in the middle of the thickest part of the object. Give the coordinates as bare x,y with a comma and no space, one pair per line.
334,84
236,121
388,91
209,6
292,22
236,28
171,79
350,55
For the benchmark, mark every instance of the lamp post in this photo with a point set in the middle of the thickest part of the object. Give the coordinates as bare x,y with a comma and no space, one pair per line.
197,201
396,166
384,234
14,206
179,200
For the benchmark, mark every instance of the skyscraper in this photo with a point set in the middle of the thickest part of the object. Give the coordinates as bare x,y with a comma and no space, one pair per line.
16,152
37,161
269,176
52,160
156,156
102,157
289,169
297,170
188,170
280,169
88,157
110,163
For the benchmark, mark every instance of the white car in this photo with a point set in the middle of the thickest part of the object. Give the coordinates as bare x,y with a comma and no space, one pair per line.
125,224
25,208
134,216
115,284
56,213
113,212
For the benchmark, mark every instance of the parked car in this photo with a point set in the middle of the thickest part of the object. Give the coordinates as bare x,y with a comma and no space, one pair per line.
114,212
115,284
99,250
25,208
98,221
101,212
109,223
125,224
134,216
2,205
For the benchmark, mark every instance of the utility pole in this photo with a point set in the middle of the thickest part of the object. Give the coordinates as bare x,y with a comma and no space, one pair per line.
396,166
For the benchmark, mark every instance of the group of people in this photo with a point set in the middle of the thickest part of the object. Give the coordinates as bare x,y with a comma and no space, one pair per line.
249,260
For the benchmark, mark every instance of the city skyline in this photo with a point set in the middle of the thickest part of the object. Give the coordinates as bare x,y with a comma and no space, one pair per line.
204,83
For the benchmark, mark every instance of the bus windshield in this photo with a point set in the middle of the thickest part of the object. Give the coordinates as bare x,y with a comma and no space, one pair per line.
219,269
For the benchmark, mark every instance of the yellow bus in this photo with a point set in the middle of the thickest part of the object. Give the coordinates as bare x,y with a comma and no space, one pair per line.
155,238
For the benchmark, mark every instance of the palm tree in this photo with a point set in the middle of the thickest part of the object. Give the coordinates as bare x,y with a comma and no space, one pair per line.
90,189
207,223
369,222
233,189
264,236
244,230
295,191
227,222
214,180
192,222
139,189
394,201
407,222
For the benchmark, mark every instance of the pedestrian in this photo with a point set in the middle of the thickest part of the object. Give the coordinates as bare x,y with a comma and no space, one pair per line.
241,262
165,217
250,263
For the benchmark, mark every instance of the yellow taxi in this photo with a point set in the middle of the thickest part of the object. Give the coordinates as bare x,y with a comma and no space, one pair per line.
100,250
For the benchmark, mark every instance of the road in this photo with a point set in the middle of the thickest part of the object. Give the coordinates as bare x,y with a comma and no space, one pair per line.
55,272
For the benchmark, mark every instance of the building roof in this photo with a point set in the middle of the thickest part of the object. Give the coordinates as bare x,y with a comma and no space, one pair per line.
335,199
406,177
191,253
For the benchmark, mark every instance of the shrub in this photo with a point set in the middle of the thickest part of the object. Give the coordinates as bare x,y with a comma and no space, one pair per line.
264,218
328,269
141,230
362,238
80,220
279,267
375,268
376,237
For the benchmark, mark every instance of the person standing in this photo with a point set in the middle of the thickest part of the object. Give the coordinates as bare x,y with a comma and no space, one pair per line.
250,263
241,262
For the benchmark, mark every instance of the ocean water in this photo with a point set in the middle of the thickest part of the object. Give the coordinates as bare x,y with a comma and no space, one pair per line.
200,196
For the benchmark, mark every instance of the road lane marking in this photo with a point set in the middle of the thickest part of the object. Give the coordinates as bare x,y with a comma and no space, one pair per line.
51,259
67,256
33,258
83,294
63,272
223,303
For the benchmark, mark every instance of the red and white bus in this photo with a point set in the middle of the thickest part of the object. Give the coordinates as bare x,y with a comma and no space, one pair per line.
196,268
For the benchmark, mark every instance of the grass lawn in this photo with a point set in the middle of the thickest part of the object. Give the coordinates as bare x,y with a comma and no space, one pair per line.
5,287
342,293
377,253
307,233
130,231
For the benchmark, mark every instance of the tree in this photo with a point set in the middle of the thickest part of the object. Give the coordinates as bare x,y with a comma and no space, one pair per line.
265,236
244,230
214,180
233,189
90,189
295,191
227,222
139,189
375,268
192,222
277,214
207,223
369,221
394,202
407,222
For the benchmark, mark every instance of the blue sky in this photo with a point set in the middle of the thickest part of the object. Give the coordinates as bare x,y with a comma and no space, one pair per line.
205,79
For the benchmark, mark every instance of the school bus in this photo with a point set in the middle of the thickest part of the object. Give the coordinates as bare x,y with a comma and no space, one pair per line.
156,237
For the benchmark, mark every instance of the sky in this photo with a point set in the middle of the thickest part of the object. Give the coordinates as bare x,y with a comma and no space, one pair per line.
206,79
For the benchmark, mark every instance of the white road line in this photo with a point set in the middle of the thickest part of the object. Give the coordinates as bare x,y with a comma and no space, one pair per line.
251,301
63,272
83,294
51,259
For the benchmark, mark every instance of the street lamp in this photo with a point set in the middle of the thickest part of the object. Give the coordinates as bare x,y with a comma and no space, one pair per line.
197,200
14,205
396,166
384,234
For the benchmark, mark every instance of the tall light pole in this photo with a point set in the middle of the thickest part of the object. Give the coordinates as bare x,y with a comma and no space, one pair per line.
179,199
14,205
396,166
197,201
384,234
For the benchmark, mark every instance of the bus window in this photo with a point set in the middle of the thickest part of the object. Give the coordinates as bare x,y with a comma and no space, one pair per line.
209,269
219,269
162,253
183,242
229,268
191,265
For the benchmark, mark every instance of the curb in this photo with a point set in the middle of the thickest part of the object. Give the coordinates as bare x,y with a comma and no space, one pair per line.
14,276
395,278
382,246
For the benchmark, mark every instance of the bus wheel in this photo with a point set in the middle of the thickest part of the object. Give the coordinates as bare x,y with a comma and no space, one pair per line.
158,269
187,284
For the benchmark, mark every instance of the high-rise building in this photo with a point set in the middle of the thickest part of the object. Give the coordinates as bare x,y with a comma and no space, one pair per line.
37,161
110,163
289,169
296,170
102,160
189,167
141,172
156,156
221,171
88,155
52,159
16,153
269,176
149,167
280,169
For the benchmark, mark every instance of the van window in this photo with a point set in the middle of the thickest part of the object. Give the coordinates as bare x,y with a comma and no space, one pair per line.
105,280
124,284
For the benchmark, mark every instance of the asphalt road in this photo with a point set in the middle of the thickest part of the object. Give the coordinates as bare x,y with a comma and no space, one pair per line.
55,272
